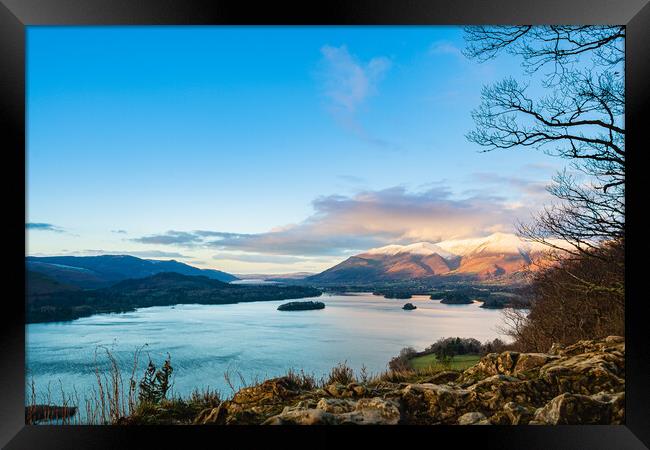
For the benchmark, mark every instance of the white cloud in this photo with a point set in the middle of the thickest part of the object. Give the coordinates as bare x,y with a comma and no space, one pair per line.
348,82
343,225
136,253
446,48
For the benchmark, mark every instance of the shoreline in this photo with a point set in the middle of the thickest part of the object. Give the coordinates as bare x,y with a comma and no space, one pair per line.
559,386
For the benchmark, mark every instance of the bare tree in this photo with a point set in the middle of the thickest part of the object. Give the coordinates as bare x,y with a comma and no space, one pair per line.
580,118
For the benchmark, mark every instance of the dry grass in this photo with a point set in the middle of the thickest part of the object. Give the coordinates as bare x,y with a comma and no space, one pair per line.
411,376
174,411
303,381
107,404
341,374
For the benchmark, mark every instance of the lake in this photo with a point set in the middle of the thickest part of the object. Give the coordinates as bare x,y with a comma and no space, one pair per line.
253,339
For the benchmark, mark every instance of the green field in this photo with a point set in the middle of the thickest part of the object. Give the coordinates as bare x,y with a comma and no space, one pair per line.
459,362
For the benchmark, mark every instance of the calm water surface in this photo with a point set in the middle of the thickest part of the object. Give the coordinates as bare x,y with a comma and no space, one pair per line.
254,339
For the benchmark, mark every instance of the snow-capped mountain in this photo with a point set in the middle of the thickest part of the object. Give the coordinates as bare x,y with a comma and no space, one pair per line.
494,243
496,255
419,248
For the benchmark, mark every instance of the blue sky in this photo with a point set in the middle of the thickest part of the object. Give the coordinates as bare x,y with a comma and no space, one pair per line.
262,149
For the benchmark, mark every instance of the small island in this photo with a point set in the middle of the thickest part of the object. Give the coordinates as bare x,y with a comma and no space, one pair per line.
301,306
453,298
409,307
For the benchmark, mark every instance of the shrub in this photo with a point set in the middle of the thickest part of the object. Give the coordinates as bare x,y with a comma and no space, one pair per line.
156,382
401,363
301,380
341,374
454,346
578,297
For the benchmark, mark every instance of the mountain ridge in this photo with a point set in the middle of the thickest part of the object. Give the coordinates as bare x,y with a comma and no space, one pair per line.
490,257
48,300
93,272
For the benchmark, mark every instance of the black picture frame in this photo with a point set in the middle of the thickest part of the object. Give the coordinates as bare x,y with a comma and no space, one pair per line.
15,15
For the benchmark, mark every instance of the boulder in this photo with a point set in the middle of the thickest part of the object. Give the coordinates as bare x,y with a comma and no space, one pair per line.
529,363
335,405
313,416
435,403
378,411
573,409
366,411
335,389
473,418
359,390
586,373
495,391
269,392
251,405
444,377
491,364
614,339
617,404
518,414
611,343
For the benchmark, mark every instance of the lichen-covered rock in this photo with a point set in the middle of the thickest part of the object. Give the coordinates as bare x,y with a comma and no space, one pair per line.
446,376
473,418
486,367
518,414
313,416
579,383
573,409
366,411
614,340
611,343
434,403
378,410
360,391
269,392
253,404
335,405
335,389
529,363
491,364
617,403
586,373
494,391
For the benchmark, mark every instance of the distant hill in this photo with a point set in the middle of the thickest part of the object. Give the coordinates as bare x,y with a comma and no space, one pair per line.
498,256
41,284
92,272
165,288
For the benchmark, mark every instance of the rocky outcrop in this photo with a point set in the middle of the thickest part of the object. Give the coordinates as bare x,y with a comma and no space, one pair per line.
583,383
366,411
473,418
252,405
567,409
